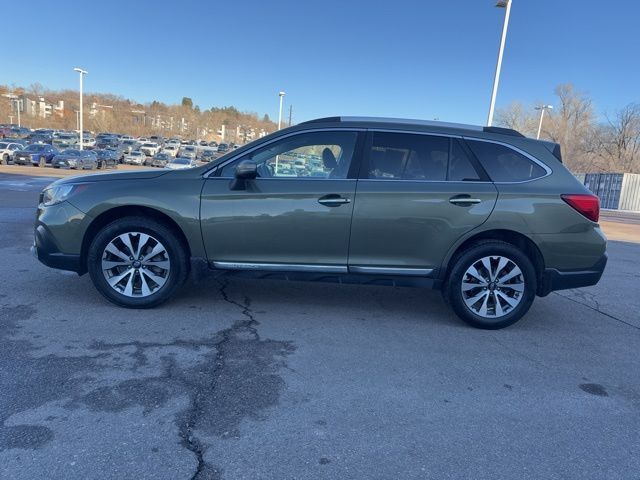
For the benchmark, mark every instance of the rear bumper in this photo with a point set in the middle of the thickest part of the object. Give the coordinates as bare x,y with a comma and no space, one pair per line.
553,279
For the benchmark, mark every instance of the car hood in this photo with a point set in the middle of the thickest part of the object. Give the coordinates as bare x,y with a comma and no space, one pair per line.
105,177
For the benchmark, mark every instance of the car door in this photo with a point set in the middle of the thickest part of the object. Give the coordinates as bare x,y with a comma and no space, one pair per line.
417,194
295,215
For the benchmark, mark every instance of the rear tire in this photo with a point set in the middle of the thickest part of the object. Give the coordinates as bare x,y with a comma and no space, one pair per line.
142,282
491,285
42,162
4,160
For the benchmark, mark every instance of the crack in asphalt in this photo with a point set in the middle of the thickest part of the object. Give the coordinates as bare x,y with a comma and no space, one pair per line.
226,377
231,339
596,308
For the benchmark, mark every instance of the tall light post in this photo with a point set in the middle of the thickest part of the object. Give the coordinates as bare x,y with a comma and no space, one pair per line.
506,4
82,73
542,108
281,95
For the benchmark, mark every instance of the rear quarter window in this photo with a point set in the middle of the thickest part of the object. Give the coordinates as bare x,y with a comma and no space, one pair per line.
504,164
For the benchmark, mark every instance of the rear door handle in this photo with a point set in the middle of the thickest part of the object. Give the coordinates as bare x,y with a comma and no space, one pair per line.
333,200
464,200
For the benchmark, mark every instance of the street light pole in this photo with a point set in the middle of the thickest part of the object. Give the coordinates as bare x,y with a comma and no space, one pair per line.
542,108
506,4
281,94
82,73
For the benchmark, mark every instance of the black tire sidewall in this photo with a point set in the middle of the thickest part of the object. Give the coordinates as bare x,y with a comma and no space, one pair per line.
453,292
175,251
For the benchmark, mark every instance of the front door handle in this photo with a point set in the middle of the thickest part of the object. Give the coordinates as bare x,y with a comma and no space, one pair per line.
464,200
333,200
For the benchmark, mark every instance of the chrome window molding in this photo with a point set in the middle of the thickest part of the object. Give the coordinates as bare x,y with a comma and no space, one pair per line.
406,180
208,173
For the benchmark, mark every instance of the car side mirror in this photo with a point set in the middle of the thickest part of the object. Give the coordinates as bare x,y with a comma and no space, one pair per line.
245,170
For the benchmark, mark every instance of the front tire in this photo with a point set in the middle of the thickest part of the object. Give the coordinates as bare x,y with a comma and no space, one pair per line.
135,262
42,162
491,285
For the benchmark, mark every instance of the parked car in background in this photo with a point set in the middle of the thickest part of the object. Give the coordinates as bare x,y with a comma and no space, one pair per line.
106,158
61,139
188,151
40,138
107,142
87,142
159,160
180,163
135,158
208,155
129,145
19,141
76,159
38,154
149,148
7,149
223,147
20,132
171,150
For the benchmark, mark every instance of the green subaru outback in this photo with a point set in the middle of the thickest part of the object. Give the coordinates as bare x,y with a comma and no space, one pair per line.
486,215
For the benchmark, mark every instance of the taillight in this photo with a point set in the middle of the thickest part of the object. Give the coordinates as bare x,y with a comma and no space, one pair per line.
587,205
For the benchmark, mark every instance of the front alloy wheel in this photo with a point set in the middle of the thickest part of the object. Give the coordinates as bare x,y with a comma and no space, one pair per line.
137,262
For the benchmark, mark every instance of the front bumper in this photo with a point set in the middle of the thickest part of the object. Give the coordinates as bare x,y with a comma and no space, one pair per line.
57,238
44,249
553,279
21,160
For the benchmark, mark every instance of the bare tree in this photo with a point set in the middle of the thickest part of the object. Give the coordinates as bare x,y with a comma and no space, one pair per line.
619,140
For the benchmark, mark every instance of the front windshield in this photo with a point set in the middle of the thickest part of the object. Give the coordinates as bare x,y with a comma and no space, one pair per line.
34,148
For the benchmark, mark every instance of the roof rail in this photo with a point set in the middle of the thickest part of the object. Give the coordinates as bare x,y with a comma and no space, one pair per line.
323,120
503,131
500,130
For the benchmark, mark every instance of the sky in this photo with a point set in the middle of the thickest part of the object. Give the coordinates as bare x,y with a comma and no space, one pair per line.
411,59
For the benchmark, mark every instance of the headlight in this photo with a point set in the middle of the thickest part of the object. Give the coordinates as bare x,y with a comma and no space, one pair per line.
53,195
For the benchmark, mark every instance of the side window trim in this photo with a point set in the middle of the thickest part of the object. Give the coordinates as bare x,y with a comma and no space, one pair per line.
541,164
356,160
475,163
363,174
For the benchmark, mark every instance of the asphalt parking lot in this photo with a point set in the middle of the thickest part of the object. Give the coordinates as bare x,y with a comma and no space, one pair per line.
239,379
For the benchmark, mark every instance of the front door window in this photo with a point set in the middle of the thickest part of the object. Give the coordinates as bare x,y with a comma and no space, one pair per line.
314,155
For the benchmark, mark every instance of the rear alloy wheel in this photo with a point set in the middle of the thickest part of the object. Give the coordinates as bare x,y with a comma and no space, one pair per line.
42,162
491,285
5,159
137,263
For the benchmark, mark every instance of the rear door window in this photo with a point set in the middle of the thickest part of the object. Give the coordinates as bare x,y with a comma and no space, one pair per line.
406,156
504,164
